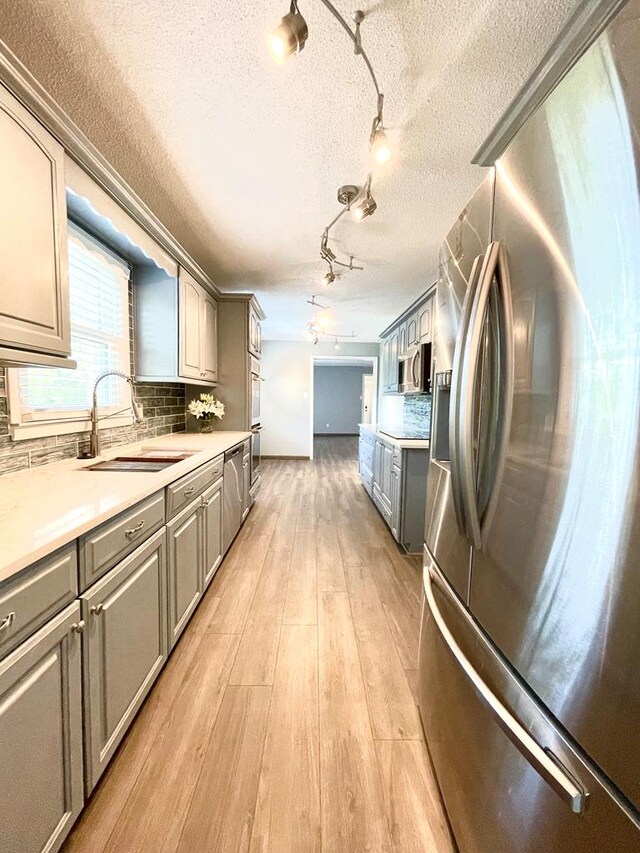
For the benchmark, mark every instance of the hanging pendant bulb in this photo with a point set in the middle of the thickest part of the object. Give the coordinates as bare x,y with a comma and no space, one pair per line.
380,148
336,346
329,277
290,36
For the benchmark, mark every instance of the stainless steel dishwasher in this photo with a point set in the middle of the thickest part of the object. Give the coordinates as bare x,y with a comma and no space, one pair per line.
233,485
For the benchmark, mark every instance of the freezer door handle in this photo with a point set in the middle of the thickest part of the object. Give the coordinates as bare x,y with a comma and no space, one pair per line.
542,760
456,391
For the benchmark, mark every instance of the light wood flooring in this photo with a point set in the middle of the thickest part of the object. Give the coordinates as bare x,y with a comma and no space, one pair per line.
285,720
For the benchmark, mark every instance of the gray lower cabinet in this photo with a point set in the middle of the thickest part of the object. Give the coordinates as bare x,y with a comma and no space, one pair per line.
184,557
246,477
397,486
212,530
124,648
41,737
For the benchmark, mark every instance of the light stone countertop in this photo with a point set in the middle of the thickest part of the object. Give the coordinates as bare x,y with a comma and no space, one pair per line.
43,508
403,443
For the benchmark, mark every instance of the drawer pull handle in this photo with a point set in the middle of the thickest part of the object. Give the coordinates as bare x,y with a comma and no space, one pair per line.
7,622
96,609
78,627
188,492
133,530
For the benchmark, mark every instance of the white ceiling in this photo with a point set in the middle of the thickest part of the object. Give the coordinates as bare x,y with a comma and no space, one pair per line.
241,158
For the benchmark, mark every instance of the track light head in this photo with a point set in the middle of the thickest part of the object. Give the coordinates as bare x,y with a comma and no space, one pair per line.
329,277
367,206
380,148
336,346
315,341
289,36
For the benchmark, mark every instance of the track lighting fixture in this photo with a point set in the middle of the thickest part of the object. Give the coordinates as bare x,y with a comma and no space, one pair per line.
366,206
289,36
336,345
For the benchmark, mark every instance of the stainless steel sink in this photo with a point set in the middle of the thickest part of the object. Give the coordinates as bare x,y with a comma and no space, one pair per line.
145,461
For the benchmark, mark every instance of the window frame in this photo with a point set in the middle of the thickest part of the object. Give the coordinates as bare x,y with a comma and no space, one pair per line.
39,424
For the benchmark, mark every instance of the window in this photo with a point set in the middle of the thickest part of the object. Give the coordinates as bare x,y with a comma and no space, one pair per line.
46,401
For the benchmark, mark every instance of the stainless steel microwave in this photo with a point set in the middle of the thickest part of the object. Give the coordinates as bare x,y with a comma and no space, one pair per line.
414,370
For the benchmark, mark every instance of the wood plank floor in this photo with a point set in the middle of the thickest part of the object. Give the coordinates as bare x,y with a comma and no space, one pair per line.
285,720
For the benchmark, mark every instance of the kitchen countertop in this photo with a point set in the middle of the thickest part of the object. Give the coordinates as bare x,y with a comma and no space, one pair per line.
404,443
43,508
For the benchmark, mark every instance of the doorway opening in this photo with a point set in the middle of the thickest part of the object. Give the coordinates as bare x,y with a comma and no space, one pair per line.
343,395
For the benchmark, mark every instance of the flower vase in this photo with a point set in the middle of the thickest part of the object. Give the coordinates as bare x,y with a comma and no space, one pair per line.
205,425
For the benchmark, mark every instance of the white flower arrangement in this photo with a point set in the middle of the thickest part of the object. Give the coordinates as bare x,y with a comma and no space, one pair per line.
206,407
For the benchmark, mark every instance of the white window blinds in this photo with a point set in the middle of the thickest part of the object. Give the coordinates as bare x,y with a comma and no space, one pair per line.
99,302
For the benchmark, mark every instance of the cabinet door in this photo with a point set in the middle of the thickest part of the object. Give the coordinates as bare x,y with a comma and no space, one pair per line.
190,333
387,468
255,334
209,339
396,502
125,646
424,322
212,531
34,290
246,476
184,539
412,330
41,737
393,361
402,340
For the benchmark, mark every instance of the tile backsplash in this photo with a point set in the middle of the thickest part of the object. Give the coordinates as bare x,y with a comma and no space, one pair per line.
416,413
164,412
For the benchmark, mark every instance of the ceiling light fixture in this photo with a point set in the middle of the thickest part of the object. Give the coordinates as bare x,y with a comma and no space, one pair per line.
290,36
378,141
329,277
366,206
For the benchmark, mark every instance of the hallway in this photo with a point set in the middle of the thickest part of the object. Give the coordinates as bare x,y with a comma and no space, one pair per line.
285,719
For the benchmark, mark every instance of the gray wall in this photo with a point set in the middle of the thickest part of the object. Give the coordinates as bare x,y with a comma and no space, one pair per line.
337,393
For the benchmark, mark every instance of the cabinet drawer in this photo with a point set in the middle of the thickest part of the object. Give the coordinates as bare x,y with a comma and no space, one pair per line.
191,485
367,438
108,544
246,447
366,454
366,475
35,595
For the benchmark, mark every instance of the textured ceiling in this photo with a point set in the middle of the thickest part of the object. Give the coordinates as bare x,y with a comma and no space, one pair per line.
241,158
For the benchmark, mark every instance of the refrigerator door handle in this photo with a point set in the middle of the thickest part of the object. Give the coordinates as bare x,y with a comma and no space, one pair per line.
542,760
494,265
456,391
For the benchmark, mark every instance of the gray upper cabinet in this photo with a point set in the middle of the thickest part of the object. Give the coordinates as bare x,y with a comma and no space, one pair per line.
176,328
34,293
255,333
209,338
41,737
124,648
424,321
412,329
190,332
212,530
184,545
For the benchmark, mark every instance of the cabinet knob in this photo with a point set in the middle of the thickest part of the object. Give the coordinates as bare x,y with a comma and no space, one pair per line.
96,609
7,622
205,502
78,627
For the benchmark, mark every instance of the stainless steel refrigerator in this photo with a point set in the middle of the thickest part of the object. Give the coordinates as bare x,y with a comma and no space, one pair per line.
530,644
